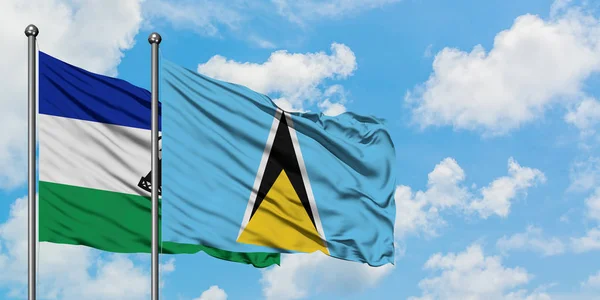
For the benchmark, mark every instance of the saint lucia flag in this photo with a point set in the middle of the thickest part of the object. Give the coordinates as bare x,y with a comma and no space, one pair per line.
241,174
94,165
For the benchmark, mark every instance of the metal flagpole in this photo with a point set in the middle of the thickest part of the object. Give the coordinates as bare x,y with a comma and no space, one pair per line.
154,40
31,32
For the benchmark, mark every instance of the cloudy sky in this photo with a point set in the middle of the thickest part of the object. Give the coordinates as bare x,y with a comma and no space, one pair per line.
493,107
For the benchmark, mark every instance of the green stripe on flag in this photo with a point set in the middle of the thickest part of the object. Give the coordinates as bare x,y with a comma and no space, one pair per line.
114,222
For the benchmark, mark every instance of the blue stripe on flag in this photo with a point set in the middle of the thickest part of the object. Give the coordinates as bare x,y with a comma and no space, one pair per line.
72,92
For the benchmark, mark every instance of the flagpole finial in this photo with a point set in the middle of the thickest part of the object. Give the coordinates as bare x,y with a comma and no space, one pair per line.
31,30
154,38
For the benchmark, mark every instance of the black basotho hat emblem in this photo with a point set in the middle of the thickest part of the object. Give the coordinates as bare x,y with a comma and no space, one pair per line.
146,181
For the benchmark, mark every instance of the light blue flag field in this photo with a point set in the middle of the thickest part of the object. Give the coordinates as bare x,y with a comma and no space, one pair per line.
240,174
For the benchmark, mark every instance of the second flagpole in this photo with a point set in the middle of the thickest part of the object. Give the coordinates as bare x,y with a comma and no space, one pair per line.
31,32
154,39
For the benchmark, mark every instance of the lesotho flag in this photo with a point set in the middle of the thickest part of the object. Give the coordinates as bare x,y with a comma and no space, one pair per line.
94,164
240,174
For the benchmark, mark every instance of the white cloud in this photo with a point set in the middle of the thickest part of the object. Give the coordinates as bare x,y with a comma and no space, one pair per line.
586,116
300,275
589,242
524,295
420,211
335,99
559,6
593,205
332,109
117,278
164,268
167,267
296,78
68,30
285,104
415,214
532,65
201,16
592,282
261,42
301,11
496,197
213,293
68,271
532,239
585,174
472,275
443,184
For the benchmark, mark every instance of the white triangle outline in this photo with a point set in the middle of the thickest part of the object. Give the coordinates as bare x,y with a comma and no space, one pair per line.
304,173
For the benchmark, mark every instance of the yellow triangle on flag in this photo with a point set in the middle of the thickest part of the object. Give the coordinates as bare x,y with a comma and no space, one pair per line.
281,221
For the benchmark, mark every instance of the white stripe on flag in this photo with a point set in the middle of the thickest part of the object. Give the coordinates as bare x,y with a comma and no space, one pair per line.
93,155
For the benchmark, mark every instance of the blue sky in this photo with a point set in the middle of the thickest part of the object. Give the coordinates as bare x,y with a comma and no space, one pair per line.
492,105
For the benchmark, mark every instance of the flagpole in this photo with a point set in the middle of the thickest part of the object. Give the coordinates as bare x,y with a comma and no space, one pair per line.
31,32
154,40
